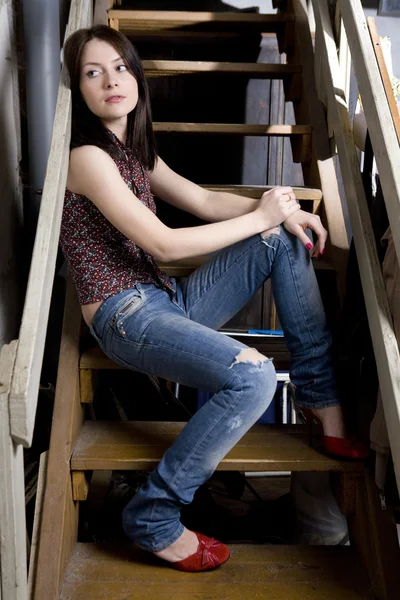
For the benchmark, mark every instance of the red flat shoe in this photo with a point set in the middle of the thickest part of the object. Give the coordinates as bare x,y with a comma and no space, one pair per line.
340,447
210,554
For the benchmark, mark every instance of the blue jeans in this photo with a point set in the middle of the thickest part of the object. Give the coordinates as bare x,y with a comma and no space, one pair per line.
151,330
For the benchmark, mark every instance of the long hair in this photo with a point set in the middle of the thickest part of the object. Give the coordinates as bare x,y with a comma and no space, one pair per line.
87,128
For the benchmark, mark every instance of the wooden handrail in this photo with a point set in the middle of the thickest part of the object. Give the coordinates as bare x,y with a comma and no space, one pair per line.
29,357
387,153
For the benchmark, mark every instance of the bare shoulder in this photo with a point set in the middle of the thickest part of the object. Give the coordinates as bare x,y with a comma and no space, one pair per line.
88,162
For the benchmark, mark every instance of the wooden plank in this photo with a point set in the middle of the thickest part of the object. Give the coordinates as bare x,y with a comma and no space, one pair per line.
141,445
59,525
154,68
87,379
377,113
381,327
28,362
320,171
36,522
80,485
256,191
232,129
373,535
394,111
275,572
13,573
153,20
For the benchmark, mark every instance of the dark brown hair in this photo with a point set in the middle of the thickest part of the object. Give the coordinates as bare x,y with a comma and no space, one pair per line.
87,128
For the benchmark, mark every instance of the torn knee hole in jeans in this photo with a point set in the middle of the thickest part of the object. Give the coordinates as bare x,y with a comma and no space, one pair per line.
267,234
250,356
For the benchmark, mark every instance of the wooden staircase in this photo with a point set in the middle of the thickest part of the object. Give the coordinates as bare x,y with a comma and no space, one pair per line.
68,569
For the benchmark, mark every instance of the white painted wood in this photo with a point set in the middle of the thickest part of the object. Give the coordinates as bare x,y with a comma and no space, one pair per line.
12,494
381,326
36,522
377,112
101,8
25,383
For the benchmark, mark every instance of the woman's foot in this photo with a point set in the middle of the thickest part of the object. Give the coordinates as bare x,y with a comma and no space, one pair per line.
208,554
332,420
184,546
331,423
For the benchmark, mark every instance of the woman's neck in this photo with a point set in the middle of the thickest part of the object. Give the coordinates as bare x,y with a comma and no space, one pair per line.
119,128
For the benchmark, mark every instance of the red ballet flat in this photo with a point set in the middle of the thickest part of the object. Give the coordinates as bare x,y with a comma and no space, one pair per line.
210,554
340,447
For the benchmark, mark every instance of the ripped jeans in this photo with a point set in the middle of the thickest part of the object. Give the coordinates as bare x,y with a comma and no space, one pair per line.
173,336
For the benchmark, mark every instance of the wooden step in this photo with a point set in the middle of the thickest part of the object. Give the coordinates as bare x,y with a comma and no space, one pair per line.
184,267
154,68
303,195
274,572
137,445
131,21
233,129
300,135
256,191
95,359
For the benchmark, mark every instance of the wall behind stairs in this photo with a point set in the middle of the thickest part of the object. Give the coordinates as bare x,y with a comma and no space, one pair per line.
10,186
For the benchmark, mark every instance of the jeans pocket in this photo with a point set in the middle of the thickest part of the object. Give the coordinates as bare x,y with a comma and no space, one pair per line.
132,302
94,334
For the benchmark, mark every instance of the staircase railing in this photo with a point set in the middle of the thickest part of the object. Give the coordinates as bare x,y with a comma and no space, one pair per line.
21,361
387,154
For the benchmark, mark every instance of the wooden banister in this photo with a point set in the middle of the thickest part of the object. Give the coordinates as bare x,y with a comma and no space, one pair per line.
29,356
387,152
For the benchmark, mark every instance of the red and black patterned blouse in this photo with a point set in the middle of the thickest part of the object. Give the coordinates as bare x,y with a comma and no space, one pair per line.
102,261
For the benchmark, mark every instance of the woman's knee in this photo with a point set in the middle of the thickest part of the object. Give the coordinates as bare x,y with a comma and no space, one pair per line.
257,376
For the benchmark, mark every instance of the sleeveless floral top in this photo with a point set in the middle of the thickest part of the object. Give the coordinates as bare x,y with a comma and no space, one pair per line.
102,261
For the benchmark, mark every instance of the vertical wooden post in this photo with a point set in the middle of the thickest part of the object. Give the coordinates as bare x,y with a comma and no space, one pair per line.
12,495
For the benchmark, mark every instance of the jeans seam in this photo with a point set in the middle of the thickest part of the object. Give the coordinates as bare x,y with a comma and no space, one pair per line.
178,475
238,259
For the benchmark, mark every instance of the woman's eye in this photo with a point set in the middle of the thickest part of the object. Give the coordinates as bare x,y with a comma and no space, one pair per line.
121,68
92,73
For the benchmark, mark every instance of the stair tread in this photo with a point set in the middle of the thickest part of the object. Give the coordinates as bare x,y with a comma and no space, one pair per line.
255,191
94,358
232,128
154,20
256,70
135,445
277,572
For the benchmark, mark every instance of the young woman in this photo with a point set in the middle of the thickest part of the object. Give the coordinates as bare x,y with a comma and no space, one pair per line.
151,323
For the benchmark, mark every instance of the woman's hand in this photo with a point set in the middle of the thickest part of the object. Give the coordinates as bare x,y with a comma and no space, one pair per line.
276,206
297,223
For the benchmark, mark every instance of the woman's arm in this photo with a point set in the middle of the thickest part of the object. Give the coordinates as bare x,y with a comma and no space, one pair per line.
190,197
93,173
221,206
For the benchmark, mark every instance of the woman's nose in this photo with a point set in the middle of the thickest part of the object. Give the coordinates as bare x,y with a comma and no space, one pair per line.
111,82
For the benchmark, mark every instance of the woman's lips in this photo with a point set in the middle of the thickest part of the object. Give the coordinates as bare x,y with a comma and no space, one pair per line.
114,99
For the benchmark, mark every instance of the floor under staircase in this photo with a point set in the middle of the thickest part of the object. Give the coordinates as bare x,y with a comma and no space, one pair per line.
71,570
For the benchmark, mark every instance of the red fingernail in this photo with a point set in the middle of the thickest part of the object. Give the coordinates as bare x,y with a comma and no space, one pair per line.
322,251
309,246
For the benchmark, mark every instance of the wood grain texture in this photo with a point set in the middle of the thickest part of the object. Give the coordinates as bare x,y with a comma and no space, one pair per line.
153,20
141,445
59,526
153,68
373,31
380,321
233,129
320,171
28,362
259,571
13,582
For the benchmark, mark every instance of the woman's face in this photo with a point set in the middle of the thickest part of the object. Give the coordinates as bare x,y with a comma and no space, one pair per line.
108,88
